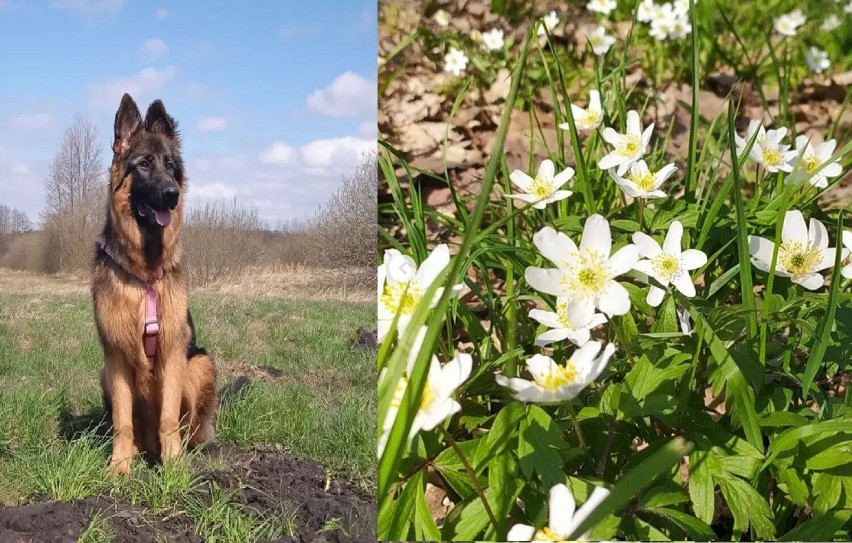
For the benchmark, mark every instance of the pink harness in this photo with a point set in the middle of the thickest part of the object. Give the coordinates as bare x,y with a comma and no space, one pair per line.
152,325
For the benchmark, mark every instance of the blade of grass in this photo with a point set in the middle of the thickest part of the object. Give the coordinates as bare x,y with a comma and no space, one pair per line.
691,173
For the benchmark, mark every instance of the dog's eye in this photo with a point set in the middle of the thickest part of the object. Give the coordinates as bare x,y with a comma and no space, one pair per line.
169,164
144,164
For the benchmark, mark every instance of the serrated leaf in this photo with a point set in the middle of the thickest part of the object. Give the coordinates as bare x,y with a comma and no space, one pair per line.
696,529
748,507
539,444
838,454
820,527
466,521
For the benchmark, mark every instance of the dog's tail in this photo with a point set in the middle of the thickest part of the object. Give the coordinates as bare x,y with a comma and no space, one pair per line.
234,390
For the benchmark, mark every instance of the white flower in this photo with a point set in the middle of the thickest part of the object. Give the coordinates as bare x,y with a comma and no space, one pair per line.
553,382
817,60
647,11
550,21
601,6
681,7
847,243
586,275
767,149
545,188
683,320
589,118
493,39
832,22
641,183
847,9
789,23
455,61
802,254
562,325
563,519
441,18
599,39
629,147
402,285
436,402
810,159
667,264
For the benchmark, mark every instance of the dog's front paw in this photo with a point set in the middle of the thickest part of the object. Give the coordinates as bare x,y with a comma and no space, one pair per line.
119,465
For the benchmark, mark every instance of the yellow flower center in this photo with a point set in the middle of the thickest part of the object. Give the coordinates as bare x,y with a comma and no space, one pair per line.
666,264
629,147
399,392
771,156
589,276
643,180
562,316
596,39
428,396
811,162
797,258
401,298
546,534
541,188
558,376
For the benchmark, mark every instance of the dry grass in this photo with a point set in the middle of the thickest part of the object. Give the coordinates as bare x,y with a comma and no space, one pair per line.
283,281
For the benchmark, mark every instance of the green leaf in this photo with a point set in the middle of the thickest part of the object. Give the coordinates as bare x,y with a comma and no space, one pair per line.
748,507
838,454
466,521
696,529
631,484
701,486
424,525
827,489
502,431
540,441
506,483
395,516
791,438
820,527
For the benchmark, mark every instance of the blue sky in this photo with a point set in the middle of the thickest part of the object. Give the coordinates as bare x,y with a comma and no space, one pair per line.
276,99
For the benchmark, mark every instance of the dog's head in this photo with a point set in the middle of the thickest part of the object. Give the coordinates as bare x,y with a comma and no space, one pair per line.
147,162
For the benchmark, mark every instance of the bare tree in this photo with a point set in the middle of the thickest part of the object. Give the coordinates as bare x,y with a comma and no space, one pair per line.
73,206
12,222
345,226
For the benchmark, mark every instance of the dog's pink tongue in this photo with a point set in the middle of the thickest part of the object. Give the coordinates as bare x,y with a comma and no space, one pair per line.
163,217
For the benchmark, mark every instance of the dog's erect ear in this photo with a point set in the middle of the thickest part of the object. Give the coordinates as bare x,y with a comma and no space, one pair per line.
127,121
157,120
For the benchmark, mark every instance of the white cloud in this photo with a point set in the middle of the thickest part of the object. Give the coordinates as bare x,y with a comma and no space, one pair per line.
161,13
212,191
153,49
338,154
141,85
211,124
278,153
349,95
32,121
89,6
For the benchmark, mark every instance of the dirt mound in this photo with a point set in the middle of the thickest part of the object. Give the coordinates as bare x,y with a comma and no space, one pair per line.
266,478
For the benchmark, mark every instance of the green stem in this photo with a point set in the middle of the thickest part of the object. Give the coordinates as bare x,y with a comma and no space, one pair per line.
472,474
577,429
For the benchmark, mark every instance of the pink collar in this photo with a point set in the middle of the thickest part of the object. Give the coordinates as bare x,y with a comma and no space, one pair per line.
152,325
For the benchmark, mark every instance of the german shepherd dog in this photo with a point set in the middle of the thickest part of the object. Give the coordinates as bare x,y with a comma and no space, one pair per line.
158,385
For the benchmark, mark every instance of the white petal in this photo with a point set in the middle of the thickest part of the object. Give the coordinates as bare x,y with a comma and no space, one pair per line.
555,246
761,248
671,244
561,507
611,136
521,180
827,260
433,266
846,271
623,260
563,177
579,337
599,494
520,532
614,300
664,173
540,366
552,336
596,236
633,125
794,227
683,283
580,310
456,371
595,101
817,234
648,246
611,160
546,170
529,198
811,281
547,318
692,259
545,280
655,296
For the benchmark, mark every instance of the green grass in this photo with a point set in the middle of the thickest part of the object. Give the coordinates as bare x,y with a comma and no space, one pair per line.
98,531
322,407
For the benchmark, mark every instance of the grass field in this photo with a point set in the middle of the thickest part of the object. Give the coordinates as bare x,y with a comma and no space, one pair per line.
312,392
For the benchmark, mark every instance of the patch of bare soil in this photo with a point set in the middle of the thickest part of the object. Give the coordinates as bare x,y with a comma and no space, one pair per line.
268,479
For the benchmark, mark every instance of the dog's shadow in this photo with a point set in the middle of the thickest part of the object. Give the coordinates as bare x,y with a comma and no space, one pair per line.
96,423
